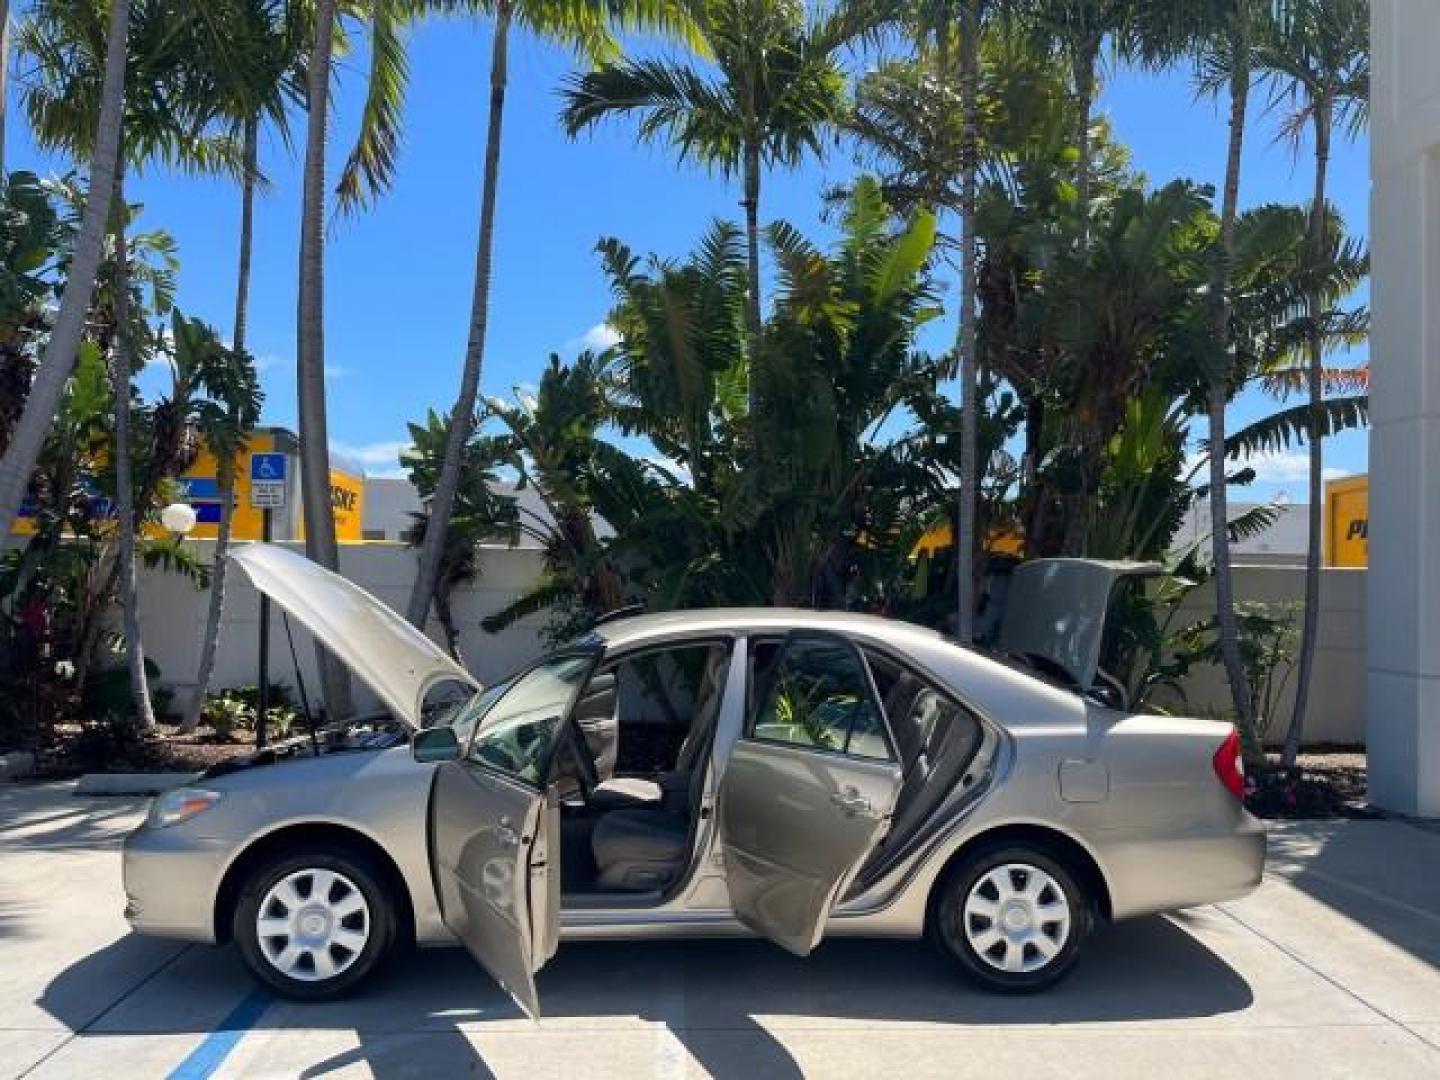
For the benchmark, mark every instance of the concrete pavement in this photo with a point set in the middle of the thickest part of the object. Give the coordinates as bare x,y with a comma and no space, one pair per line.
1332,969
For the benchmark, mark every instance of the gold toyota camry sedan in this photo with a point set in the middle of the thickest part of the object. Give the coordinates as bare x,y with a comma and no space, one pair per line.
783,773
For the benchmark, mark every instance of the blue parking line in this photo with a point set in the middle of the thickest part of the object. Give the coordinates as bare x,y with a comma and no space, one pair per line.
201,1063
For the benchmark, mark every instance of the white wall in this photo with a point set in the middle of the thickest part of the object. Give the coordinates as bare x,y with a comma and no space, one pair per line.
172,614
173,621
1403,704
1337,699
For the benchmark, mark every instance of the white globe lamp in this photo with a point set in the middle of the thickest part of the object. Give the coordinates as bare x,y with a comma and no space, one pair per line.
179,518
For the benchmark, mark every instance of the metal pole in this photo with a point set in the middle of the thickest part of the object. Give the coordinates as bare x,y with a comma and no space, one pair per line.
264,647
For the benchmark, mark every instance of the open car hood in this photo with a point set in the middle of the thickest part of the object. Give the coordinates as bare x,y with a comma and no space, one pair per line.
394,659
1056,610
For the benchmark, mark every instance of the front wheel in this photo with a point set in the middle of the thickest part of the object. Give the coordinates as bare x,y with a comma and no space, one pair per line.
315,924
1014,917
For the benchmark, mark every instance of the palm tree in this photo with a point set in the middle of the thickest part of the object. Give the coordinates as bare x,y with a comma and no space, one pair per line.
58,360
4,74
224,417
1318,52
256,90
1223,45
1078,29
162,117
310,339
586,28
969,373
774,89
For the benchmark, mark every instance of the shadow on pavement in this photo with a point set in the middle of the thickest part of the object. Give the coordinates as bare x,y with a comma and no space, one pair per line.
1380,874
722,1000
49,817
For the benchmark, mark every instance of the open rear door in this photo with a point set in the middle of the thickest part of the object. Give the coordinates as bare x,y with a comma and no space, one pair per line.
494,848
808,792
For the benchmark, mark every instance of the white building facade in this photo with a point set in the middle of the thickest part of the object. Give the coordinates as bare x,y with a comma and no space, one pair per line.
1403,628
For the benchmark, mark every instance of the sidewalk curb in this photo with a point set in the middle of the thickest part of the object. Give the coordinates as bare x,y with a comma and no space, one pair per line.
132,783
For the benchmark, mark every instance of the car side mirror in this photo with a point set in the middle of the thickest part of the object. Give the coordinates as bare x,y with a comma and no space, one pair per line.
435,744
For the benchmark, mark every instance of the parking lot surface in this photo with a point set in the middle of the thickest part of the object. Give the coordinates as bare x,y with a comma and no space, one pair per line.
1332,969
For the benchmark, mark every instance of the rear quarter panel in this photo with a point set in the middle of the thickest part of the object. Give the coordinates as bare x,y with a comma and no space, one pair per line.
1168,834
1142,800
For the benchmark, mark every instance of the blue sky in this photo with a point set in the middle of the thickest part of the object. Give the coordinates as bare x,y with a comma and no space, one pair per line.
400,274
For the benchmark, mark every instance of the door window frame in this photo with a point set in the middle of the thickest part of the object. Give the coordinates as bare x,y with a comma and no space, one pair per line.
757,690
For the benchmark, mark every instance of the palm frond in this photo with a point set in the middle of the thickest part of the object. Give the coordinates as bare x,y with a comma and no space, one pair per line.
1281,430
370,167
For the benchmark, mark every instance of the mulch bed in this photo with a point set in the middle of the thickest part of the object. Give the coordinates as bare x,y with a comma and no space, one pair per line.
164,748
1326,783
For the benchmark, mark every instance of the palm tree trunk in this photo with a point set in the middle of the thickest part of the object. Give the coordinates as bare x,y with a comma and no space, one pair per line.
59,359
125,507
210,642
1085,62
446,617
4,75
1311,626
462,417
969,380
310,368
751,202
1218,396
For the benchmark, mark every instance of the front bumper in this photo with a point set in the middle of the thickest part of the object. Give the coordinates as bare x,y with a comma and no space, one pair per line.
171,881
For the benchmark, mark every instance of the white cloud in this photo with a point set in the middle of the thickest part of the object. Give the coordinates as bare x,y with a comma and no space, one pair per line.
1287,466
599,337
338,371
380,458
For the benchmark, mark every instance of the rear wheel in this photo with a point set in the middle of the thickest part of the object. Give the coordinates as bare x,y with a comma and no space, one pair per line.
314,924
1014,917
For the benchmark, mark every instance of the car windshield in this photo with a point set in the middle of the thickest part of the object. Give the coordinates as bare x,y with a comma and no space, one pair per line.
516,728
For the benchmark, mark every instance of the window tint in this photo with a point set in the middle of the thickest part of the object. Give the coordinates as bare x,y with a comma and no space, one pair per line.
922,719
519,731
819,696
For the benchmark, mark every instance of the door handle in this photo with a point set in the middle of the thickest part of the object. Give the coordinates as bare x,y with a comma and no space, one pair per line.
852,802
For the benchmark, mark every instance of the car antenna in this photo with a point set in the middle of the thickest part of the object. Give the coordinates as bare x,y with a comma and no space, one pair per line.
300,683
619,613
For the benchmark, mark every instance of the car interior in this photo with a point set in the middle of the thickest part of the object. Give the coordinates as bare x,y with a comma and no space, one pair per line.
631,770
630,764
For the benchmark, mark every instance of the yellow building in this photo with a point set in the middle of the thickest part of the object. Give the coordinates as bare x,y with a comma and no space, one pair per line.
200,488
1347,521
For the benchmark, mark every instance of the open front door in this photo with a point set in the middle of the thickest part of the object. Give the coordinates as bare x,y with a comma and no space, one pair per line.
495,852
808,792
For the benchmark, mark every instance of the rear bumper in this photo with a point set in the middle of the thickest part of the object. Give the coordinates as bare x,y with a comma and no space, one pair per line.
1178,871
170,883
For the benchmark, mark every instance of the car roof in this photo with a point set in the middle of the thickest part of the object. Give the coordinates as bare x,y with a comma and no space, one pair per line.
638,629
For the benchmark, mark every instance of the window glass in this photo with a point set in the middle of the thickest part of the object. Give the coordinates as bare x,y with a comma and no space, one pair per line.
465,719
445,702
922,719
519,730
819,696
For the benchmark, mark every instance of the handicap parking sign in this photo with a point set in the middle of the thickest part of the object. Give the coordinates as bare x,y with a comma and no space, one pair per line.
267,481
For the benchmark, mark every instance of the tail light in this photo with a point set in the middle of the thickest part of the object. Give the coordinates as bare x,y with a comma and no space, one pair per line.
1230,765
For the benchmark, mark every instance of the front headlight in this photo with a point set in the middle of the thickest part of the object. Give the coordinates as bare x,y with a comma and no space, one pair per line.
179,805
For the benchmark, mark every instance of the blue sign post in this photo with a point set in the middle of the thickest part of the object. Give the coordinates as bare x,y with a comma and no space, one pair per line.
267,480
267,493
